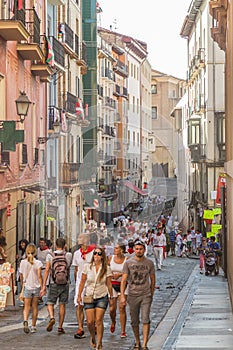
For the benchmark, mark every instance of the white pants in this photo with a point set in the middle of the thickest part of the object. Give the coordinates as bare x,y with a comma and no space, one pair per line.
158,253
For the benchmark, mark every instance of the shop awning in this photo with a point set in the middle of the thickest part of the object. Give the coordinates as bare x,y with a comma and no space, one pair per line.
134,188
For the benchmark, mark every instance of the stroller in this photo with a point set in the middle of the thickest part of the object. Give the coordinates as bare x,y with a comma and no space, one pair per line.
210,264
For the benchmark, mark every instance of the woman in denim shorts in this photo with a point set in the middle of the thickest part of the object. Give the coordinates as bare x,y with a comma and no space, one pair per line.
96,278
30,276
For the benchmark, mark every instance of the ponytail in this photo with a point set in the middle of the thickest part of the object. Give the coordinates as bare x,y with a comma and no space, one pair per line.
31,252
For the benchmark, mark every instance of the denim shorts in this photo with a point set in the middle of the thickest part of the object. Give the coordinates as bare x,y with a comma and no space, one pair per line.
58,292
30,293
101,303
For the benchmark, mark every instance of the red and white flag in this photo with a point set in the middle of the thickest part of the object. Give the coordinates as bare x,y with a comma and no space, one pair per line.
79,109
63,121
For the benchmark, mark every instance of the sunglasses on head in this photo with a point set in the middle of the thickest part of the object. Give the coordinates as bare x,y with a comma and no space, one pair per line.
97,253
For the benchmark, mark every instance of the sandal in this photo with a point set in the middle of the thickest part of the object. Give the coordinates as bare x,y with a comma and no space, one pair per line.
145,348
50,325
25,327
92,345
61,330
112,328
137,347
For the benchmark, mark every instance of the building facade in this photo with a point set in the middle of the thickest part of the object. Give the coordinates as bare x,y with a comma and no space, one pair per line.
222,34
206,104
24,70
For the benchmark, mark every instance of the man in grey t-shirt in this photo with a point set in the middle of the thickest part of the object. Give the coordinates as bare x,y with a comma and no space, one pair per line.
140,274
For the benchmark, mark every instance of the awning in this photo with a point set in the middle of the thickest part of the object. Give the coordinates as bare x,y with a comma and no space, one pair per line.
134,188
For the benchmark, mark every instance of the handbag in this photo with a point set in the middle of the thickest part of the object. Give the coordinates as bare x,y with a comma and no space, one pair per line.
88,299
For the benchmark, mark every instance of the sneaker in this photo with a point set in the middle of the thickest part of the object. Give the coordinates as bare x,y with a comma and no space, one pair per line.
123,335
33,329
25,327
79,334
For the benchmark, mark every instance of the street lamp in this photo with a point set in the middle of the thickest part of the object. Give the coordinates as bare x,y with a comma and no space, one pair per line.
22,105
56,127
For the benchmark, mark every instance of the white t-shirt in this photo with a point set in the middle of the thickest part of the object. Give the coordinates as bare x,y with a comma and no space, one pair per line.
80,262
30,273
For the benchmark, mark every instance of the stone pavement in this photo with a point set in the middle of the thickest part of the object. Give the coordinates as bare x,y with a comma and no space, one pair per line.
200,318
175,282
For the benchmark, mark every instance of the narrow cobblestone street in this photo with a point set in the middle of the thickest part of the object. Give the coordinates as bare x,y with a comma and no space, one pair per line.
170,281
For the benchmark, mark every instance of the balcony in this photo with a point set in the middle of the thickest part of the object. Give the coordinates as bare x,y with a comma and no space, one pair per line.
70,103
100,90
59,51
69,173
13,27
218,10
117,91
117,146
109,161
57,2
31,49
198,152
100,124
107,73
121,69
53,116
69,40
109,102
118,118
109,130
125,92
80,51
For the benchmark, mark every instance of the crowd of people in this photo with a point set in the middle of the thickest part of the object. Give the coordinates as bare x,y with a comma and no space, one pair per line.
111,268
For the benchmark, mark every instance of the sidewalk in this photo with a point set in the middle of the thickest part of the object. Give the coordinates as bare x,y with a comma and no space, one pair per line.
200,318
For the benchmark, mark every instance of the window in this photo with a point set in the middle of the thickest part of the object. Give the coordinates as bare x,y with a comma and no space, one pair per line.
5,158
154,89
154,113
220,128
194,132
134,138
24,154
36,156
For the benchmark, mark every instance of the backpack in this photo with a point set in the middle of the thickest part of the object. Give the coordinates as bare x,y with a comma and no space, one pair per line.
60,269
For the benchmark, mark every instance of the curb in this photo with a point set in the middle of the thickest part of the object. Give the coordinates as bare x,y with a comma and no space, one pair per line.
165,327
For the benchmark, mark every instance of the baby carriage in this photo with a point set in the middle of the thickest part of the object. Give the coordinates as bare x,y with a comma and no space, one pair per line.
210,264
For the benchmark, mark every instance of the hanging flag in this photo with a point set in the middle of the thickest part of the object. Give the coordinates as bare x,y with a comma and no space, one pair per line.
12,6
49,53
20,4
86,110
79,109
98,8
221,183
63,121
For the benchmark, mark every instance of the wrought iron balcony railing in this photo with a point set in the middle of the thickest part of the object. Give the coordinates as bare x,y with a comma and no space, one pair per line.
69,173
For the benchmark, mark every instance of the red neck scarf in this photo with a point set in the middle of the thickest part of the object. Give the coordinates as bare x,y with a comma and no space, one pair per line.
88,250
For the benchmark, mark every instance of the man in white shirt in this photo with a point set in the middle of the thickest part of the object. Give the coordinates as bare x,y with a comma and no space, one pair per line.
81,256
159,242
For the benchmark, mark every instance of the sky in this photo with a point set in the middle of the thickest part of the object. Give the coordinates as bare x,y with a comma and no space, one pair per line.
158,23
